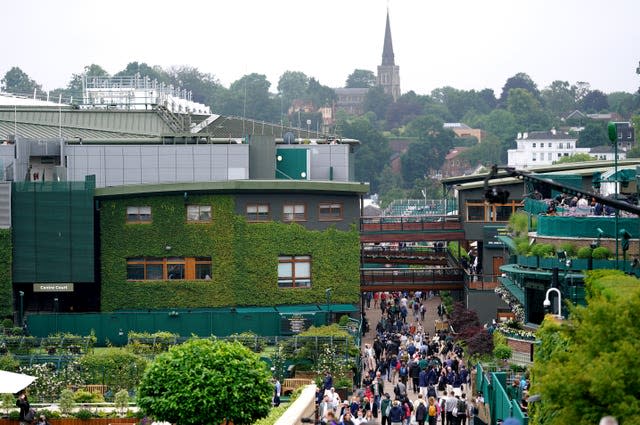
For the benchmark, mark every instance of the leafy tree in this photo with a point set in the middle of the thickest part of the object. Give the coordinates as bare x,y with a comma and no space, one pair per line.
527,111
406,108
203,379
293,85
377,101
576,157
559,97
249,97
205,87
154,73
460,102
116,368
594,101
361,79
429,151
593,134
489,152
320,95
74,88
621,103
372,155
519,81
581,369
502,124
581,88
18,82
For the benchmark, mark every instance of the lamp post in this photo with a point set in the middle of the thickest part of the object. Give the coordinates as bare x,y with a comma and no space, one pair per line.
21,293
612,132
55,310
327,292
547,302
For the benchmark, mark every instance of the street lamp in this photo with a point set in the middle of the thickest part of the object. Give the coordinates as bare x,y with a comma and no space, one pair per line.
327,292
547,303
21,293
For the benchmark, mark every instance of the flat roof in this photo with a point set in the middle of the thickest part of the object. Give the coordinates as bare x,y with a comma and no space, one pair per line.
234,186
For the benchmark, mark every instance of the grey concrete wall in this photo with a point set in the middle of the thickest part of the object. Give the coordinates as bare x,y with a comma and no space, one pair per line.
115,165
5,205
485,303
262,158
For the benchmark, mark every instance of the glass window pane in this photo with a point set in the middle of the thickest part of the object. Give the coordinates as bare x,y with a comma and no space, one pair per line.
264,209
299,209
252,209
154,272
175,271
475,212
285,270
192,212
304,283
205,213
285,283
303,270
135,271
203,271
287,209
503,212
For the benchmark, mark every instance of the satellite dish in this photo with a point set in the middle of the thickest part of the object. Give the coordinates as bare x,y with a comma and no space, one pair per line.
289,138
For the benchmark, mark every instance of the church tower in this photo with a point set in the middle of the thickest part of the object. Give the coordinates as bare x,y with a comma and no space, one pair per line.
388,71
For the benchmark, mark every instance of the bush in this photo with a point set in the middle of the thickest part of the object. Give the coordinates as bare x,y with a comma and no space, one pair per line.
523,248
519,223
502,352
344,319
569,248
584,252
66,402
452,247
117,368
543,250
84,414
121,401
601,253
9,363
84,396
7,323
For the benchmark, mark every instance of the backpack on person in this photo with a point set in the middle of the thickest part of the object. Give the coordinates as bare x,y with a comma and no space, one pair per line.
421,412
462,408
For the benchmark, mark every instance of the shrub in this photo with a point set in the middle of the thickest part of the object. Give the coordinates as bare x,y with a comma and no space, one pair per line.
601,253
116,368
502,352
121,401
543,250
7,323
8,402
453,248
84,414
66,401
84,396
9,363
522,247
519,223
569,248
584,252
344,319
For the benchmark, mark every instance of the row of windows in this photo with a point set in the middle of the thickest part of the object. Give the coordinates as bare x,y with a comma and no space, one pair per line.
560,145
327,211
293,271
534,156
481,211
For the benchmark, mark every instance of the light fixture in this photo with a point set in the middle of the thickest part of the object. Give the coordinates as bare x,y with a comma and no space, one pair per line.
547,302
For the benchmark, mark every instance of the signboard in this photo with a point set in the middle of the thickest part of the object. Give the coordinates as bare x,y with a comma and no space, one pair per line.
491,234
293,324
53,287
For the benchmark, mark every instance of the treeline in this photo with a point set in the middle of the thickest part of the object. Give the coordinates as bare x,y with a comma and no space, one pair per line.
520,107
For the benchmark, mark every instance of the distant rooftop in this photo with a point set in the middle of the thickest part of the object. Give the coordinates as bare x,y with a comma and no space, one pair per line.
454,125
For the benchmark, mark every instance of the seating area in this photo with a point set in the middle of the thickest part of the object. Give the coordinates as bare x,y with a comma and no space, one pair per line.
291,384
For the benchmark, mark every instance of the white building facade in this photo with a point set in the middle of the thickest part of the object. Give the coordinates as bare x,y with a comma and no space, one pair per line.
542,148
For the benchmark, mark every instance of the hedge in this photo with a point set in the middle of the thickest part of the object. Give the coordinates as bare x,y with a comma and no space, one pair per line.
6,286
244,257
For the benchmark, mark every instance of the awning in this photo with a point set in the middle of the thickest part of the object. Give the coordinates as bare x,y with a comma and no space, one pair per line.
515,290
339,308
508,242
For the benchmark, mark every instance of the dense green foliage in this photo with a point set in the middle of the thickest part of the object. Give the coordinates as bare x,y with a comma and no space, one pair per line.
6,285
244,257
576,157
204,379
582,368
117,368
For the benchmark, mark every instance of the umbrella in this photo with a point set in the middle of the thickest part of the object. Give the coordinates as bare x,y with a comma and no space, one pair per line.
13,382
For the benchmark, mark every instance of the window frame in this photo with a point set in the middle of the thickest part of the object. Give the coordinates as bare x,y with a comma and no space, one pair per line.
188,267
476,204
306,281
258,215
199,220
491,210
330,206
293,218
137,216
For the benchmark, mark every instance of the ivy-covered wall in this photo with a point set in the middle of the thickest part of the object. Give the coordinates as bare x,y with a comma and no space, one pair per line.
6,296
244,257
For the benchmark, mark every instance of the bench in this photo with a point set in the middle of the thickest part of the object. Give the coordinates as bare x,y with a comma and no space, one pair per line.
291,384
95,389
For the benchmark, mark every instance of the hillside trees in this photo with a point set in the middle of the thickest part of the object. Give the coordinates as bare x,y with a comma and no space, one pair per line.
18,82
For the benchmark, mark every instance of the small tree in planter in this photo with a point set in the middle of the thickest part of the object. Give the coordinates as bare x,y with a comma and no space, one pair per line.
121,402
502,352
66,402
8,402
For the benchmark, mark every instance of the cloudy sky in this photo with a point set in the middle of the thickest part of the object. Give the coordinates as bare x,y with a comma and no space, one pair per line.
466,44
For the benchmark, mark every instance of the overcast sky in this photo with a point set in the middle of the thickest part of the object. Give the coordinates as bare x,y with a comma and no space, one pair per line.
466,44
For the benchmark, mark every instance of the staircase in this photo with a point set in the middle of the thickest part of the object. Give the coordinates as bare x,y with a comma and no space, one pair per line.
177,123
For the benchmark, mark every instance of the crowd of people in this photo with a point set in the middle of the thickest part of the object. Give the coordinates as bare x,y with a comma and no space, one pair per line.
409,375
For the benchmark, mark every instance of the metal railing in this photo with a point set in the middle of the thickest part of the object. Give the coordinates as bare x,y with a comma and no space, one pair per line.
411,277
410,223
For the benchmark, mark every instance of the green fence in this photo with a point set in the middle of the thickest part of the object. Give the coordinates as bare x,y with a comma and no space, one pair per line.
492,386
114,327
585,227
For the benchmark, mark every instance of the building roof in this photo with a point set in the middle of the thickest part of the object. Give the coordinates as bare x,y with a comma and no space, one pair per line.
345,91
455,152
602,149
233,186
388,58
547,135
455,125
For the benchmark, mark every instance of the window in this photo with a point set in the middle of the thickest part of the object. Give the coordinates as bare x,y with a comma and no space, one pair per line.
475,211
294,212
559,155
561,146
199,213
169,268
138,214
328,211
533,156
549,144
568,145
257,212
549,156
294,271
534,145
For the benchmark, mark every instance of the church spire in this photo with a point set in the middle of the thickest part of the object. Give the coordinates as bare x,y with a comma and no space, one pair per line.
387,50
